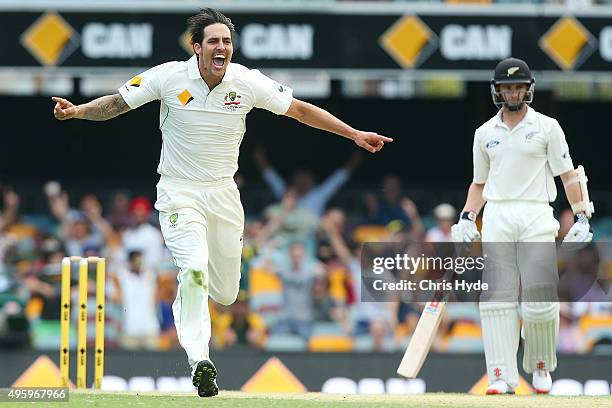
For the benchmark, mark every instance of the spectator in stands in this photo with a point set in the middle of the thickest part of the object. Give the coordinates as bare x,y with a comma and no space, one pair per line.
590,313
119,215
298,272
77,234
242,326
10,208
138,292
13,323
44,283
78,229
334,293
308,195
92,209
373,318
8,216
141,236
17,258
394,206
286,222
578,275
323,304
166,293
445,215
408,314
571,339
250,249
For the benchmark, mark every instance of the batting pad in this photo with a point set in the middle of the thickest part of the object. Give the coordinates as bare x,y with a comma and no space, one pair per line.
541,325
500,335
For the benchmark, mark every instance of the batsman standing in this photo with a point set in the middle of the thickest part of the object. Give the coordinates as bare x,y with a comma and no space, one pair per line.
516,155
204,102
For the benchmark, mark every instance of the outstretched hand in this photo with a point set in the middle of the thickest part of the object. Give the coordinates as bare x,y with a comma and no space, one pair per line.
64,109
371,141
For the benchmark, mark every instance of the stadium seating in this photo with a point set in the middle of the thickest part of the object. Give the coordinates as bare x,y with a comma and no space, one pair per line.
285,342
327,329
463,311
330,343
597,328
369,233
465,337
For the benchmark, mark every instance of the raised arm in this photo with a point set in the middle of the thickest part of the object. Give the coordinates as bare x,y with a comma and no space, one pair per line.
103,108
269,174
336,240
316,117
277,220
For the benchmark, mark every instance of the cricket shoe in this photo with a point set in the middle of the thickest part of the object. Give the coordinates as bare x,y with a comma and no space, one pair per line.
205,379
541,381
499,387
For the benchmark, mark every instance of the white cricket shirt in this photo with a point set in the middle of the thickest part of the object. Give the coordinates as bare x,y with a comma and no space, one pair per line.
520,164
202,129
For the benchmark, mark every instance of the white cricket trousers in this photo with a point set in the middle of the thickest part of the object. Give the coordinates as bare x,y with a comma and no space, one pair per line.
518,221
202,225
518,241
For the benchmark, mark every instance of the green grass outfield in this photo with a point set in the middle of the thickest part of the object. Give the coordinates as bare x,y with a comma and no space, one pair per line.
234,399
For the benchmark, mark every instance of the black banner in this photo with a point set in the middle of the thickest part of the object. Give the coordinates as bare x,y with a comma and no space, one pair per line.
314,40
458,372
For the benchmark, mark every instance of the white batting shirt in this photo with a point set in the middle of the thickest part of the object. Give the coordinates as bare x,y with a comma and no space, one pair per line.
520,164
202,129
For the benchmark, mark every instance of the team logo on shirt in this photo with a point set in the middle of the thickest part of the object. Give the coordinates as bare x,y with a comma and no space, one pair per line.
185,97
530,136
231,98
492,144
232,101
173,219
135,81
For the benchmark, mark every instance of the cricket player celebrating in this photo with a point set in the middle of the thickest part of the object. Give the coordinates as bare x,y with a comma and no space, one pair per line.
204,102
516,155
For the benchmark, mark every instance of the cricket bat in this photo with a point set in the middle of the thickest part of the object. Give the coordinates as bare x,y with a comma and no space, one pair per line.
425,332
421,339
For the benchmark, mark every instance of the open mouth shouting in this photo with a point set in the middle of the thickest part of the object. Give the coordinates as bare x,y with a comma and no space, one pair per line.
218,61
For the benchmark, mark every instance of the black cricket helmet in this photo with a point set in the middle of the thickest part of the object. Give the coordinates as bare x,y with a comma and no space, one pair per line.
512,71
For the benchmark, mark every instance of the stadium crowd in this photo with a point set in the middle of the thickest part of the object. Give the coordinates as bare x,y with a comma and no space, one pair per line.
301,272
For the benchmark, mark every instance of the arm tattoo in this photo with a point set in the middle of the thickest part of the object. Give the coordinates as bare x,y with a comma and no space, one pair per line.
105,107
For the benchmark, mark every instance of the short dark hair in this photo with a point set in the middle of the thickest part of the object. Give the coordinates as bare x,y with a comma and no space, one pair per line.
205,17
134,254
